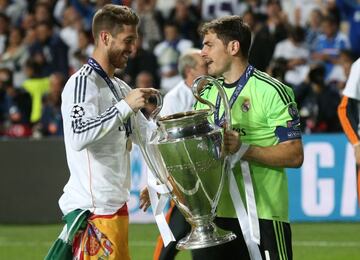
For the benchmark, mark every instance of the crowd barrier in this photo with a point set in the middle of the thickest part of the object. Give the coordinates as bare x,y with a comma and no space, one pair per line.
33,173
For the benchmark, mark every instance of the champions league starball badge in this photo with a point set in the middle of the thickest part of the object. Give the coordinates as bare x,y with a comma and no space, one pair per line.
77,112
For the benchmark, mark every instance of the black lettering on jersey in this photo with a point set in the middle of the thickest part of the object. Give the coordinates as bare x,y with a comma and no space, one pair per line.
241,131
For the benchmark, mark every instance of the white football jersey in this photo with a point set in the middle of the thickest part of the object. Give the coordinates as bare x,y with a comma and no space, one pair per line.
352,87
95,143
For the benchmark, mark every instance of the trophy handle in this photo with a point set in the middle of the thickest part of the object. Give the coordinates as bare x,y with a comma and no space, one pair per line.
198,85
159,103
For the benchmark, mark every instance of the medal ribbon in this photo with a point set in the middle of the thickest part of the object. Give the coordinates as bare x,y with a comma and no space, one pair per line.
248,220
241,84
96,66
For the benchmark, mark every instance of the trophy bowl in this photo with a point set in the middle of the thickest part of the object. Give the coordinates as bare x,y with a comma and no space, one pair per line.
185,153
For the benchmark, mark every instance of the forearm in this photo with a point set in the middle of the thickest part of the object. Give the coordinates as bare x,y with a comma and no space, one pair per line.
288,154
84,131
143,129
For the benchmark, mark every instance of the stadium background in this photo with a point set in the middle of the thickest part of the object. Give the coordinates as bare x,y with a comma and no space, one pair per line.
323,204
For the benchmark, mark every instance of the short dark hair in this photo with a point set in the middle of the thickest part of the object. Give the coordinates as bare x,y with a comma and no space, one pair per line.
8,82
331,19
297,33
112,18
230,28
317,74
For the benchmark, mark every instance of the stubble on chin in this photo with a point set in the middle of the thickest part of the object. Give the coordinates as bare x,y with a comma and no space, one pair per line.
116,61
213,73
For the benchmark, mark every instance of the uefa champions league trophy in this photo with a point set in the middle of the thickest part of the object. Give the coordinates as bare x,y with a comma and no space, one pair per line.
185,154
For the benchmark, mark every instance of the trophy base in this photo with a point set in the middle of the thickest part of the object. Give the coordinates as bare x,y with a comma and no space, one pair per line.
205,236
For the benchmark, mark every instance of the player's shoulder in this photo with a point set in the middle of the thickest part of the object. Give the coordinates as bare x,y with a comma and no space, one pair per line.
80,83
210,86
86,71
356,64
270,87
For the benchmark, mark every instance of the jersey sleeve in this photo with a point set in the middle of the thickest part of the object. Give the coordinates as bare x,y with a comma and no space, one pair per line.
143,128
348,113
139,123
282,113
352,87
84,124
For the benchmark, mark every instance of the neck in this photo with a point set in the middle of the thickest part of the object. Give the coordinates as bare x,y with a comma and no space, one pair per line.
188,82
235,71
102,59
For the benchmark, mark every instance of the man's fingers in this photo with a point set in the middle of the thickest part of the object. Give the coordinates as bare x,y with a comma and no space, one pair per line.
144,199
144,205
146,93
149,91
231,141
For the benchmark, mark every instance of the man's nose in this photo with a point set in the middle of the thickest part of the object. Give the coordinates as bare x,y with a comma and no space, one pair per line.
203,53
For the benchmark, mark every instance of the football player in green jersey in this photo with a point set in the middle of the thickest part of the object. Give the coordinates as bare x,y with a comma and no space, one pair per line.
265,135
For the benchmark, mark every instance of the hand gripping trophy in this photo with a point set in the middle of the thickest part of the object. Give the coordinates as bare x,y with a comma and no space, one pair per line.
185,153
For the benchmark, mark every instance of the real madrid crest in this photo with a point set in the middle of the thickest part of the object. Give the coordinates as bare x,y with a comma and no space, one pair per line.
245,105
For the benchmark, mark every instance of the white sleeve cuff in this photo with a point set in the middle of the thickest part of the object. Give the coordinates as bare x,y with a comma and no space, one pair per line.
124,110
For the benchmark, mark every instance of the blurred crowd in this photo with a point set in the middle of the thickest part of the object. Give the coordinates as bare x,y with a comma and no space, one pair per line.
307,44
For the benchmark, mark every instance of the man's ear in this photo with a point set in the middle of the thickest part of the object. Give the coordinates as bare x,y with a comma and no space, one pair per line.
234,47
105,37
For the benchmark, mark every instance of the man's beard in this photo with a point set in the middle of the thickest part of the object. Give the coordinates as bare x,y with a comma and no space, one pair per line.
116,59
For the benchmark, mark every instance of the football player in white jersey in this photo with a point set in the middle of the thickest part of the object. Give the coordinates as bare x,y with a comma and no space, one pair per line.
349,115
99,113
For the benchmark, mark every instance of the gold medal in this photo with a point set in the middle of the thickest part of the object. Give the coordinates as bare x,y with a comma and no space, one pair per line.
128,144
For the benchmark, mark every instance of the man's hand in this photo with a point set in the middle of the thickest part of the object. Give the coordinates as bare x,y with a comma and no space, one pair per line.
144,199
138,98
232,141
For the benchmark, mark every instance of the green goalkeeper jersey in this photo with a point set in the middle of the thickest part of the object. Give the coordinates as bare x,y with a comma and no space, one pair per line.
264,113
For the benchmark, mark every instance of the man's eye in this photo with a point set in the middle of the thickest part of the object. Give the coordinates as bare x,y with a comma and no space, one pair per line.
129,41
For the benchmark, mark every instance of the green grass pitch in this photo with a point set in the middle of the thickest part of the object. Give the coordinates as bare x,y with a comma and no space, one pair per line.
311,241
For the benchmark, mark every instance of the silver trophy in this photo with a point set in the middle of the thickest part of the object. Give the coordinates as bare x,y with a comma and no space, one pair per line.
185,154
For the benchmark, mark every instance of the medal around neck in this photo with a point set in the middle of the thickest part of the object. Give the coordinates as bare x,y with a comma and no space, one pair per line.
185,154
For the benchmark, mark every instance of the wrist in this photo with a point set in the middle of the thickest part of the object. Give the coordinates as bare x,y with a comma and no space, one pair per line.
234,158
239,154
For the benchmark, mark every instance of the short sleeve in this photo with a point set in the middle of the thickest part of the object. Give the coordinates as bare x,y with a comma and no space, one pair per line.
352,87
282,113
